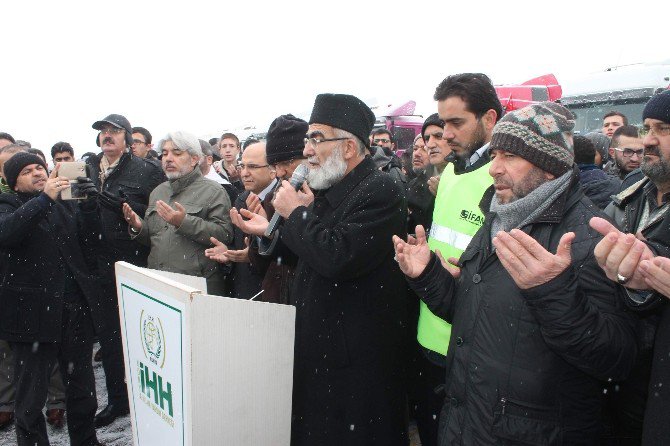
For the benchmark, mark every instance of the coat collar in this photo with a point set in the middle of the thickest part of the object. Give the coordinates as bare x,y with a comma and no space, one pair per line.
630,193
338,192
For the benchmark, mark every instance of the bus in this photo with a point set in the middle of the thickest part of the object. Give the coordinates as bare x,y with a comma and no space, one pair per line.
625,89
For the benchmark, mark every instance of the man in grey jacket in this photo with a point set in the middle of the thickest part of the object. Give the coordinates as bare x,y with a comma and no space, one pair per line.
183,213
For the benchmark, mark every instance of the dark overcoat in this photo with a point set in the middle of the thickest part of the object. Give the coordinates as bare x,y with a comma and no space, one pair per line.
647,401
351,303
40,238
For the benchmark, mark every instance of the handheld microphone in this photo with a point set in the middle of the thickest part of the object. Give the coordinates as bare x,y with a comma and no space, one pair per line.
297,180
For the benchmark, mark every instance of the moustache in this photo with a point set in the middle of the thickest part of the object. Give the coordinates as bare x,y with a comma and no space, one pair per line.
501,182
107,140
653,150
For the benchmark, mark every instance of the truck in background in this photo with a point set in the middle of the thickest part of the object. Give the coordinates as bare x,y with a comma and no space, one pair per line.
625,89
405,125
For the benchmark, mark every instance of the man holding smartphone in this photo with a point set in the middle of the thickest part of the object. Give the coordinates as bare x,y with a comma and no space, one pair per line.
48,302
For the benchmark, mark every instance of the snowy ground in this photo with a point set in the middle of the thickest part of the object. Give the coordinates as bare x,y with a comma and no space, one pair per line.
119,432
116,434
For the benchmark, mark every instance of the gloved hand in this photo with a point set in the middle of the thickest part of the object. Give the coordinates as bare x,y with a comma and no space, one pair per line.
111,201
87,186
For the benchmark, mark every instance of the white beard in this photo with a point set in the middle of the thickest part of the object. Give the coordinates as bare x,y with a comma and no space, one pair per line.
330,172
179,174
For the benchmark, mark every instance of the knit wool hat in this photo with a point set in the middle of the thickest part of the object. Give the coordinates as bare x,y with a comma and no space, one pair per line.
285,140
658,107
601,143
13,166
345,112
541,134
433,119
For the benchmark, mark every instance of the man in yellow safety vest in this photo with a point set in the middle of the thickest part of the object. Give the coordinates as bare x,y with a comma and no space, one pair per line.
469,107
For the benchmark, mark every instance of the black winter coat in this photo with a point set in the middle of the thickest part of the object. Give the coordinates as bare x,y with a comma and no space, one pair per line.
133,178
524,367
351,303
41,240
244,279
277,266
420,203
654,333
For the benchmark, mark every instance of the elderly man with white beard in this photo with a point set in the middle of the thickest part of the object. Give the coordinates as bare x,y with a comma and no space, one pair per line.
183,213
349,294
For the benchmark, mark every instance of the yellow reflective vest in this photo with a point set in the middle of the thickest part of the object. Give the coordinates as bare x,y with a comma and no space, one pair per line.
456,219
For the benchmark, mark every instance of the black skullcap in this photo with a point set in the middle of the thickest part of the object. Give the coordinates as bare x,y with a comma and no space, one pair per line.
285,139
345,112
658,107
433,119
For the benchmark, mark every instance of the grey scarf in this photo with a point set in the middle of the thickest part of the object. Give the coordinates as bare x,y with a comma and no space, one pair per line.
524,210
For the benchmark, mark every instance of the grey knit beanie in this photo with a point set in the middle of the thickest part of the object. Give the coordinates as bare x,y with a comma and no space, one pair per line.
540,133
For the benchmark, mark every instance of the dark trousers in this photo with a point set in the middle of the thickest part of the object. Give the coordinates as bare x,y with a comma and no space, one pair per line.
33,363
424,401
112,349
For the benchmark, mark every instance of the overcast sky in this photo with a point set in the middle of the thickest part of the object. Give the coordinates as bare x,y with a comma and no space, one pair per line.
205,67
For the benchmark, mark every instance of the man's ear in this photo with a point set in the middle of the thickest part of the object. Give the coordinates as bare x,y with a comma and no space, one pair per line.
350,149
489,119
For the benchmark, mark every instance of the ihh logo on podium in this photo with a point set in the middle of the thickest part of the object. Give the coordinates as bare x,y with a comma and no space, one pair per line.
153,339
156,391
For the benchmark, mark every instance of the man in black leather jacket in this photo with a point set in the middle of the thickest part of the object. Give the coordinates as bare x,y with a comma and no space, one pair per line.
120,177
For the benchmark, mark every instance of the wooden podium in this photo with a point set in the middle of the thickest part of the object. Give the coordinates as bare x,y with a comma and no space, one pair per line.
201,369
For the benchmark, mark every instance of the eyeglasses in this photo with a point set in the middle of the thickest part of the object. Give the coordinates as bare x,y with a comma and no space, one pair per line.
111,130
381,141
655,130
627,153
138,141
313,142
242,166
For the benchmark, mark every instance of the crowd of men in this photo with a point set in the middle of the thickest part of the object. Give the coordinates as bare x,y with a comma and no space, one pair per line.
503,282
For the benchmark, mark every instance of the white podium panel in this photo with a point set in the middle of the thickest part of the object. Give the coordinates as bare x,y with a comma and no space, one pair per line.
204,369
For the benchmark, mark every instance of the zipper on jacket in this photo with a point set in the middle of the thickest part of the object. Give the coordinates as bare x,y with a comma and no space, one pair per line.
503,402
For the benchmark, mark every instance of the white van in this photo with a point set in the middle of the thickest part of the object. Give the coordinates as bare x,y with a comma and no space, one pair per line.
625,89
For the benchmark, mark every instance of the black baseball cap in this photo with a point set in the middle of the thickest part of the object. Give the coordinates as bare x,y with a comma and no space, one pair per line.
118,121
